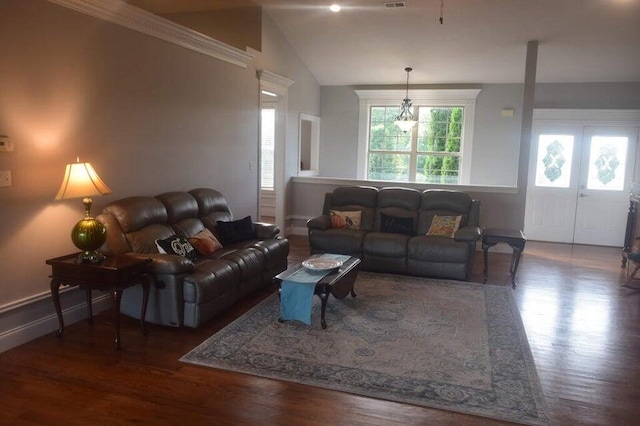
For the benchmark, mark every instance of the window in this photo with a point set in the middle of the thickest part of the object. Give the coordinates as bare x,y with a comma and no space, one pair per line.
436,150
428,153
267,148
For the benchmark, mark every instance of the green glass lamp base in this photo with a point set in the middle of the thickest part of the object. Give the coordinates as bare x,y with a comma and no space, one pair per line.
89,235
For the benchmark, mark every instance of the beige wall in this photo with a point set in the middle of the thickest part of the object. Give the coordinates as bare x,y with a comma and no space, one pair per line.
150,116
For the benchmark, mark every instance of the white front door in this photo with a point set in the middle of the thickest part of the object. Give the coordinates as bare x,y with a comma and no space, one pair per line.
579,181
605,181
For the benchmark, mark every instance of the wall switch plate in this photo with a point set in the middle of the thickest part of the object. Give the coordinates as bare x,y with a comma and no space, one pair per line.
5,178
5,143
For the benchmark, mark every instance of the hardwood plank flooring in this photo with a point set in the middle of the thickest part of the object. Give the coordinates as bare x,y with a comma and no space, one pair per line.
583,328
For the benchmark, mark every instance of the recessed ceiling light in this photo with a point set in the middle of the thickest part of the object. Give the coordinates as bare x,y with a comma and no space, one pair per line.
335,8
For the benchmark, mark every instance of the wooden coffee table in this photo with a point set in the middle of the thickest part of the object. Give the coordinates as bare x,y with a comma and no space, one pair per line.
338,283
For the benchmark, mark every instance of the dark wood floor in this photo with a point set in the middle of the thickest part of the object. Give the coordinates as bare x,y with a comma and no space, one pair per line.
583,328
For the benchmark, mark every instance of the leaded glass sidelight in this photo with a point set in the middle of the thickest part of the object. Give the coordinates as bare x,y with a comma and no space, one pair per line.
607,160
553,163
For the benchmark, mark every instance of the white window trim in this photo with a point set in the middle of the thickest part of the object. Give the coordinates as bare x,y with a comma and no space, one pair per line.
437,97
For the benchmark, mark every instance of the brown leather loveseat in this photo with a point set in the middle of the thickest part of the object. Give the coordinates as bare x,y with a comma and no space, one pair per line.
393,230
188,291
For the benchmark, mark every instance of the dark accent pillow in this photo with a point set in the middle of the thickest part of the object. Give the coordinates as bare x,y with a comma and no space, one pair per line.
177,245
236,230
396,224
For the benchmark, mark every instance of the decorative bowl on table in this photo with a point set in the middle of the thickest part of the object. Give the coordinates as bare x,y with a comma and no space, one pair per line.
321,264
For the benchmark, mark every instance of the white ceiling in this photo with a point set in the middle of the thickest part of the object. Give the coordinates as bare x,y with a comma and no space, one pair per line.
481,41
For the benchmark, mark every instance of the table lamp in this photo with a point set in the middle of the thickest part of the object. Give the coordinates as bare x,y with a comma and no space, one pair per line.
82,181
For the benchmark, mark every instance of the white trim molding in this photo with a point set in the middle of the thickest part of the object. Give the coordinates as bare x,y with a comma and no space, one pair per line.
132,17
441,97
279,85
593,116
33,317
273,82
322,180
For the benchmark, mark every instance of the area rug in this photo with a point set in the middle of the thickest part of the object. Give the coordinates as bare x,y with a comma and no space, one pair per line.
443,344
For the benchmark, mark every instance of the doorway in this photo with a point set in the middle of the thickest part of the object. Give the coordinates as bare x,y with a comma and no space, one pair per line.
273,100
580,174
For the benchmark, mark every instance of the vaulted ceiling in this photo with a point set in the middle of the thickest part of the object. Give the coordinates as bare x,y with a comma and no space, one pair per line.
479,41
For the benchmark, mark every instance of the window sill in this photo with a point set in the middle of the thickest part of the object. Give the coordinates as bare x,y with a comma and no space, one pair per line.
319,180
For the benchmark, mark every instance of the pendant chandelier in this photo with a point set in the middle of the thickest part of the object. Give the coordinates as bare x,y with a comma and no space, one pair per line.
405,119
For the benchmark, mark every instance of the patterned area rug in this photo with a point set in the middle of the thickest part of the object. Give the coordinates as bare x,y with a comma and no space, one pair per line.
443,344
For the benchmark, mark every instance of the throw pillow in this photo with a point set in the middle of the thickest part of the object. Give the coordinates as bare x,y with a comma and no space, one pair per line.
236,230
205,242
176,245
345,219
395,224
444,226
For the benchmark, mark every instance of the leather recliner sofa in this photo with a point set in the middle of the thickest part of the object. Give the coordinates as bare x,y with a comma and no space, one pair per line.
188,292
411,253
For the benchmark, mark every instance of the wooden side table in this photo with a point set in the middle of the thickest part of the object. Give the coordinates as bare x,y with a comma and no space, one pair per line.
114,274
514,237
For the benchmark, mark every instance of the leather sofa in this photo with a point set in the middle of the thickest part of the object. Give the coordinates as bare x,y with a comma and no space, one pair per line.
188,292
412,252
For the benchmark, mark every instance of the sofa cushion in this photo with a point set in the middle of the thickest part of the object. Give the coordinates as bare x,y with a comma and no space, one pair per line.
205,242
345,219
212,278
212,207
396,224
354,198
177,245
437,249
383,244
443,203
400,203
444,226
337,240
236,230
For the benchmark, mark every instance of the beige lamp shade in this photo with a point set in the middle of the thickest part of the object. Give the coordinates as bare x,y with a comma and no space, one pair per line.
81,180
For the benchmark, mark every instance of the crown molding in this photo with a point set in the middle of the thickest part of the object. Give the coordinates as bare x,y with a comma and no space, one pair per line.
121,13
273,78
560,114
418,94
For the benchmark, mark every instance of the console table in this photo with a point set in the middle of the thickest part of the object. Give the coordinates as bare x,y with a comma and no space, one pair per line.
114,274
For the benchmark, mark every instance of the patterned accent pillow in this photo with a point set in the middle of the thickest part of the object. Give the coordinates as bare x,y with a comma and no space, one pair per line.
444,226
176,245
205,242
345,219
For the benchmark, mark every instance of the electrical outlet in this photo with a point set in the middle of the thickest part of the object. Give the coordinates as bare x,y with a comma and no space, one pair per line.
5,178
5,143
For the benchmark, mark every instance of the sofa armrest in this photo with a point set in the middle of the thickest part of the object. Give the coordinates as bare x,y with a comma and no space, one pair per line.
321,223
266,230
468,233
167,263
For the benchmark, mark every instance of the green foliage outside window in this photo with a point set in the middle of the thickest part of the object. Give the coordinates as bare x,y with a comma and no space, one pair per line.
434,145
441,134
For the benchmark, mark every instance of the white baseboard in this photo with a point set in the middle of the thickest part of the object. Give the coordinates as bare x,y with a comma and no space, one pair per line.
38,318
297,230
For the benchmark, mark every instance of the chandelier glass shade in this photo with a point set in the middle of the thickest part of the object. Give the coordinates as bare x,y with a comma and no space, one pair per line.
405,120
